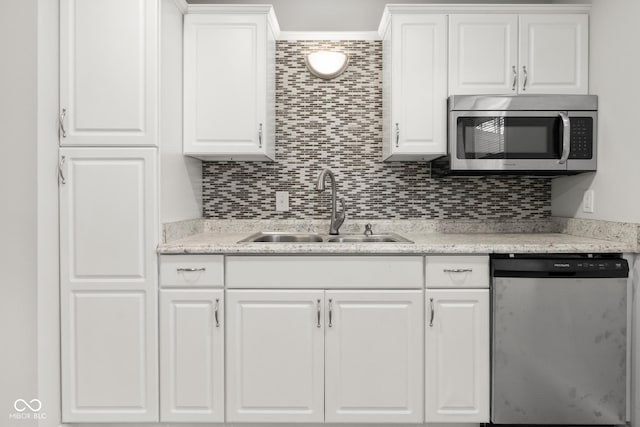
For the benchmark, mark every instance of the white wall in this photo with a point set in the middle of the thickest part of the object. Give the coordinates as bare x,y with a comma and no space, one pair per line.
180,176
614,70
18,114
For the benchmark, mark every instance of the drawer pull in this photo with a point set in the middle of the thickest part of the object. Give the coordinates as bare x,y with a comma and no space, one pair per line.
190,269
215,313
458,270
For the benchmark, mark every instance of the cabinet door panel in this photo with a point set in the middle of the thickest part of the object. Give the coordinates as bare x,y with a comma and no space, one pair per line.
275,356
457,356
108,218
419,81
192,355
554,50
483,54
108,358
374,356
108,282
225,73
109,72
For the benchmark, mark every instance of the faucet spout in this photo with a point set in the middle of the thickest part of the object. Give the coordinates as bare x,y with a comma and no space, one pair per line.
321,177
337,218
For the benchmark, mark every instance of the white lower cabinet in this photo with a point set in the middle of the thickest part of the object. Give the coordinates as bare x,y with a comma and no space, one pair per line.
334,356
457,355
192,355
275,355
373,370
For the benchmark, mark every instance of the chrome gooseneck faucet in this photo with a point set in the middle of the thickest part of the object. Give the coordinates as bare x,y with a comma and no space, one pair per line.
336,218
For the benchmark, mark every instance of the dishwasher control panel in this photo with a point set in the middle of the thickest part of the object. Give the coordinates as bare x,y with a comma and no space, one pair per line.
559,266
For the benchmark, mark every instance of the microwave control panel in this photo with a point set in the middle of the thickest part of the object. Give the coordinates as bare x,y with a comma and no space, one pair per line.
581,138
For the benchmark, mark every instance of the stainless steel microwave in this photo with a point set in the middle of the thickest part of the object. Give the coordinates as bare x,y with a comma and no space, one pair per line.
548,134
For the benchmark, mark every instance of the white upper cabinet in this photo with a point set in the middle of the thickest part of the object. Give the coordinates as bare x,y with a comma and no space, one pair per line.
108,284
374,358
518,54
414,86
483,54
554,54
229,84
275,356
108,72
457,356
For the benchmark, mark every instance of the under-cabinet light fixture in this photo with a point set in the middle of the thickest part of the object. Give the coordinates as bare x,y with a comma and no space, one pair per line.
326,64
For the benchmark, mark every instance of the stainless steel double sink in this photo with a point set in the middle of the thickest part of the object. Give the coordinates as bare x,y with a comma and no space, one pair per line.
284,237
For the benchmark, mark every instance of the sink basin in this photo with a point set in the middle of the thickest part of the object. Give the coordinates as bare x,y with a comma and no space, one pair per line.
284,237
375,238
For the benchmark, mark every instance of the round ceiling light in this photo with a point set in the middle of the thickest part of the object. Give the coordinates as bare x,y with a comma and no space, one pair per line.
326,65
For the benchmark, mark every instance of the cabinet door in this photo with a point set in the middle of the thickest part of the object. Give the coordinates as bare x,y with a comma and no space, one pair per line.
483,54
192,355
457,356
275,356
418,88
109,72
108,280
374,363
554,52
225,90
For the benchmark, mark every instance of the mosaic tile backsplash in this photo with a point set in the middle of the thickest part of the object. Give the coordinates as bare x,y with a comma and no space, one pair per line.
338,124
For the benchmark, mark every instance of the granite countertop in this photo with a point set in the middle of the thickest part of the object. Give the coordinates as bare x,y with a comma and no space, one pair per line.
424,243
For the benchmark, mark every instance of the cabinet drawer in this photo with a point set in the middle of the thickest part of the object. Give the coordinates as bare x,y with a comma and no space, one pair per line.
325,272
457,271
192,271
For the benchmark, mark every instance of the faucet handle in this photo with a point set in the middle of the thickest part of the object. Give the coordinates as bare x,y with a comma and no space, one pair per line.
343,205
368,229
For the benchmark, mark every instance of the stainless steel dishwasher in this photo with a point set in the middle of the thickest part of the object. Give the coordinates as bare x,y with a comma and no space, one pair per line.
559,339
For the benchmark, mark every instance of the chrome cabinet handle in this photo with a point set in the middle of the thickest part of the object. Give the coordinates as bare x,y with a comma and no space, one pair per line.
319,308
397,135
215,313
526,77
566,137
63,132
433,312
190,269
330,313
515,78
60,171
458,270
260,136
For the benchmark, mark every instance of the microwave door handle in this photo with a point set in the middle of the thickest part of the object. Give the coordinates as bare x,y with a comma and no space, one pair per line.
566,137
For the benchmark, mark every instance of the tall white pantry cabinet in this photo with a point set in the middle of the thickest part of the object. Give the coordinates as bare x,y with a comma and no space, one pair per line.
108,197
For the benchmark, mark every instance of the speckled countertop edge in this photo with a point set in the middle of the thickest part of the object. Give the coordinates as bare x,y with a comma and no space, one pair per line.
424,243
553,235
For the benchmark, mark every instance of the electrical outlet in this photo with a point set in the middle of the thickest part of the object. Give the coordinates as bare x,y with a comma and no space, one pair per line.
588,201
282,201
